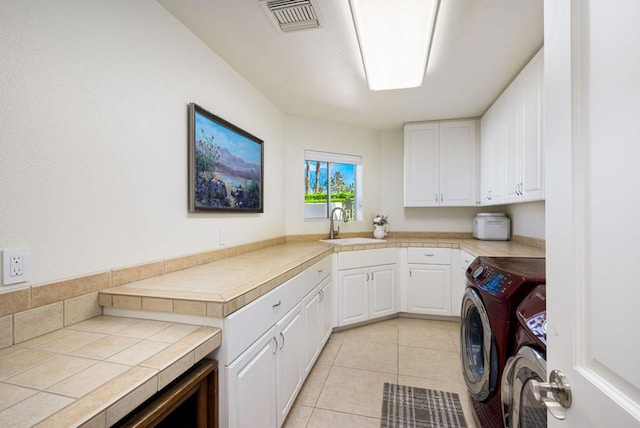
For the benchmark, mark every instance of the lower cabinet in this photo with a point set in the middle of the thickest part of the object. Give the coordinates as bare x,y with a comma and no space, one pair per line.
251,387
365,291
429,282
263,380
317,322
289,360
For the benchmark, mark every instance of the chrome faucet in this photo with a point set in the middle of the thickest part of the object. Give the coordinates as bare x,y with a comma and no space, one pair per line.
332,232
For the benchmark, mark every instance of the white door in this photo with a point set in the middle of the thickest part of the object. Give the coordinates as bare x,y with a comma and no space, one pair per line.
593,201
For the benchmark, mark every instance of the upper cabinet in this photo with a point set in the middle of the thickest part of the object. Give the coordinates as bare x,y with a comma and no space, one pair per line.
511,147
440,163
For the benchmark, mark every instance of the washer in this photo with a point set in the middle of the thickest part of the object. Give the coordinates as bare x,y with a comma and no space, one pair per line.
519,407
495,288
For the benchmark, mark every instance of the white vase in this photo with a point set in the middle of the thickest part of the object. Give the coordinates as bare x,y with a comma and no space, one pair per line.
379,232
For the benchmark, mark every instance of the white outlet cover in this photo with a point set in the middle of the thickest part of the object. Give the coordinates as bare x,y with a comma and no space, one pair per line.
7,279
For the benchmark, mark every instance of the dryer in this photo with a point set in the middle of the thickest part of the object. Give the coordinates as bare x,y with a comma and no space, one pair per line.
519,407
495,288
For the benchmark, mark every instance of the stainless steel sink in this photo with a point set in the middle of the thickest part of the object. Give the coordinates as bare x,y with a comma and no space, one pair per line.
353,241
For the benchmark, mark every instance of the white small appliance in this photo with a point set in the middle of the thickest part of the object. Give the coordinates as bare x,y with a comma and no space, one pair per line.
492,227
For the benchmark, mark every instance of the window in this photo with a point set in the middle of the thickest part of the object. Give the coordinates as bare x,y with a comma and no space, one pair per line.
332,180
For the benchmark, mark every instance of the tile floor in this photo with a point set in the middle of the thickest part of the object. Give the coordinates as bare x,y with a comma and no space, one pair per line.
344,389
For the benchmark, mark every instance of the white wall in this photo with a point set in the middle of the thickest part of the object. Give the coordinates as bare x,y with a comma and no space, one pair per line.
527,219
93,136
302,133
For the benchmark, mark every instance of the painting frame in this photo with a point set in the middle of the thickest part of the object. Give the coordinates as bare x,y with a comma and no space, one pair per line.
226,165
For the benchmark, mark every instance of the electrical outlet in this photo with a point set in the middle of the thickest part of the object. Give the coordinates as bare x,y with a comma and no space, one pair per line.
222,237
15,266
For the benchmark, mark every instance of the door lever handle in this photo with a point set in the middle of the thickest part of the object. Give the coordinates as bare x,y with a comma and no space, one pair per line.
555,394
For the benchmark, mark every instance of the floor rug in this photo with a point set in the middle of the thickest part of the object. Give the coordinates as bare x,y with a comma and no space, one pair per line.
406,406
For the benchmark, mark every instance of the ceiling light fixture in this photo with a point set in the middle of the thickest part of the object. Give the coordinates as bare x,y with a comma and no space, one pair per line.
395,39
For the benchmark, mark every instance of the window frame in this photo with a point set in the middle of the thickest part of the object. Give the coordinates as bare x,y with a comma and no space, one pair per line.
337,158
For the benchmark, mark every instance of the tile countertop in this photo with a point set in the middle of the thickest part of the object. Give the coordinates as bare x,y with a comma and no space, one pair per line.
219,288
97,371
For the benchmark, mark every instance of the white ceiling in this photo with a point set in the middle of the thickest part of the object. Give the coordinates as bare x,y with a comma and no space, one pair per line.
479,46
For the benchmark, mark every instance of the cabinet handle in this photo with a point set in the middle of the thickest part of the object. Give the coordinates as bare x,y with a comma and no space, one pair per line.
410,270
275,348
371,276
277,304
320,270
429,254
321,293
436,197
282,344
441,198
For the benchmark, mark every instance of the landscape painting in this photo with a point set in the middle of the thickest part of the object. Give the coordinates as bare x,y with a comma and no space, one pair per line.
225,165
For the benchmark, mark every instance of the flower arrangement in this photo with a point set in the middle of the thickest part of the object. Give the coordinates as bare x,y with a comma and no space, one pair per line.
380,219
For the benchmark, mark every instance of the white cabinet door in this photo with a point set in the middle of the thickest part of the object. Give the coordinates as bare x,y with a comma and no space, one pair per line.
252,385
458,163
531,163
289,357
491,158
421,163
353,302
429,289
313,312
440,164
383,291
510,132
326,304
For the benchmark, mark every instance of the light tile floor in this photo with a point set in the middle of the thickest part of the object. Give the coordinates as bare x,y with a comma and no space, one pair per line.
344,388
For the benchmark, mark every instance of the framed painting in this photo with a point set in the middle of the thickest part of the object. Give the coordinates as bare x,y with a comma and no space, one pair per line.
225,165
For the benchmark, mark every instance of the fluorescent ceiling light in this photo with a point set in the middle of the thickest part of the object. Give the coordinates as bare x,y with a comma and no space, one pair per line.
394,38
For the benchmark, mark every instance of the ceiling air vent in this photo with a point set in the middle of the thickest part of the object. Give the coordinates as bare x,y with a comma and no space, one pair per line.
292,15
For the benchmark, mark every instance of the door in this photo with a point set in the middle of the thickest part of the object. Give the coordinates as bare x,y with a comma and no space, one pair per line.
382,280
591,113
289,359
353,304
252,385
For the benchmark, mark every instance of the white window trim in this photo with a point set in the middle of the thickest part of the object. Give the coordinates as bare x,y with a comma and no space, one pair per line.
313,155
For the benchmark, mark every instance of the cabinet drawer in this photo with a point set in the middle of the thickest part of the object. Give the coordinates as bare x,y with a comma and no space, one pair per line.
366,258
432,256
316,273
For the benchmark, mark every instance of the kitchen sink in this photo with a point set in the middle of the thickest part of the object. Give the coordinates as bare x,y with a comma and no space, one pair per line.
353,241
